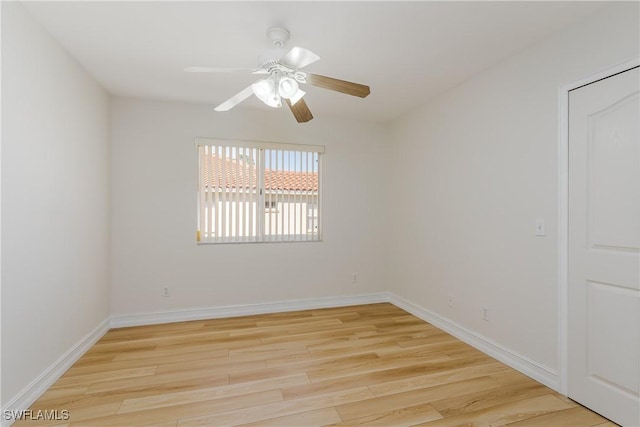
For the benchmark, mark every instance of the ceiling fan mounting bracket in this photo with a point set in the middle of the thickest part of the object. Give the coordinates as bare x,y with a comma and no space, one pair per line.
278,36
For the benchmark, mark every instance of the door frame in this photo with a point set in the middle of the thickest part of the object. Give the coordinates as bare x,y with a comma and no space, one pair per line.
563,210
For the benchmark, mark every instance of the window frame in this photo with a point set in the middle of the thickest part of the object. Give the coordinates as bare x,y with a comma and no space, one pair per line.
261,199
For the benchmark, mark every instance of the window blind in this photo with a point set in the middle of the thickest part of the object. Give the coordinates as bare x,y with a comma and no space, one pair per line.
258,192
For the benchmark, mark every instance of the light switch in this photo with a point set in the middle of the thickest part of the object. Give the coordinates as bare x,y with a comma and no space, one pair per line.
541,228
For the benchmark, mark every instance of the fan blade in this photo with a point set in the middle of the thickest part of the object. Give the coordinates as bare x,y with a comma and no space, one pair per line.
298,57
215,70
350,88
235,100
300,111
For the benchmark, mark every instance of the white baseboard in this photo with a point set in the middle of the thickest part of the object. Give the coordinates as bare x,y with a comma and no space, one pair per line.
42,382
119,321
527,366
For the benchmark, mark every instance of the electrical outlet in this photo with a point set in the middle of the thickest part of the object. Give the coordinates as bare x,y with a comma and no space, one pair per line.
355,278
450,300
485,313
165,291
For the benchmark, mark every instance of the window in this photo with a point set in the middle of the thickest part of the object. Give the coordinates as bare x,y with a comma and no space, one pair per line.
236,179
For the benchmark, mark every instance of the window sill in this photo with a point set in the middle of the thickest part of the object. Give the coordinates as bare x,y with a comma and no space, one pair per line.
234,242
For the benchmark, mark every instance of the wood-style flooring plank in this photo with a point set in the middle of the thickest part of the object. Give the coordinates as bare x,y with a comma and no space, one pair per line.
197,376
448,376
375,377
273,410
403,416
216,355
318,417
86,379
211,393
569,417
469,402
411,398
131,391
505,413
209,349
165,414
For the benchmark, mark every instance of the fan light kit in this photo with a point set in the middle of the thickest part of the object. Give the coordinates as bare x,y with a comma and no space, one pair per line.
270,90
283,78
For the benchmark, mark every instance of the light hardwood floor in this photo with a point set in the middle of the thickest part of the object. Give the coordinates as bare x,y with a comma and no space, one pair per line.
363,365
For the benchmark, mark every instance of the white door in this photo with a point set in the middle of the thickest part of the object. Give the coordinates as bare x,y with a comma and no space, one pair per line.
604,244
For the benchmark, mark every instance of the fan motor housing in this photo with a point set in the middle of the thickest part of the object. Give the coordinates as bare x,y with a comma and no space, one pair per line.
270,56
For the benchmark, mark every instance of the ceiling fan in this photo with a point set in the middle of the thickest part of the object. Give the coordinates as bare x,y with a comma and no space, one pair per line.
283,78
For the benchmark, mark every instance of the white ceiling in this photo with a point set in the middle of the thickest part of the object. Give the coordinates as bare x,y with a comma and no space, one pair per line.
408,52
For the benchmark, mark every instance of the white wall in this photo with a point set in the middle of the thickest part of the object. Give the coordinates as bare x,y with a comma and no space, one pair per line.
475,169
55,201
154,176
